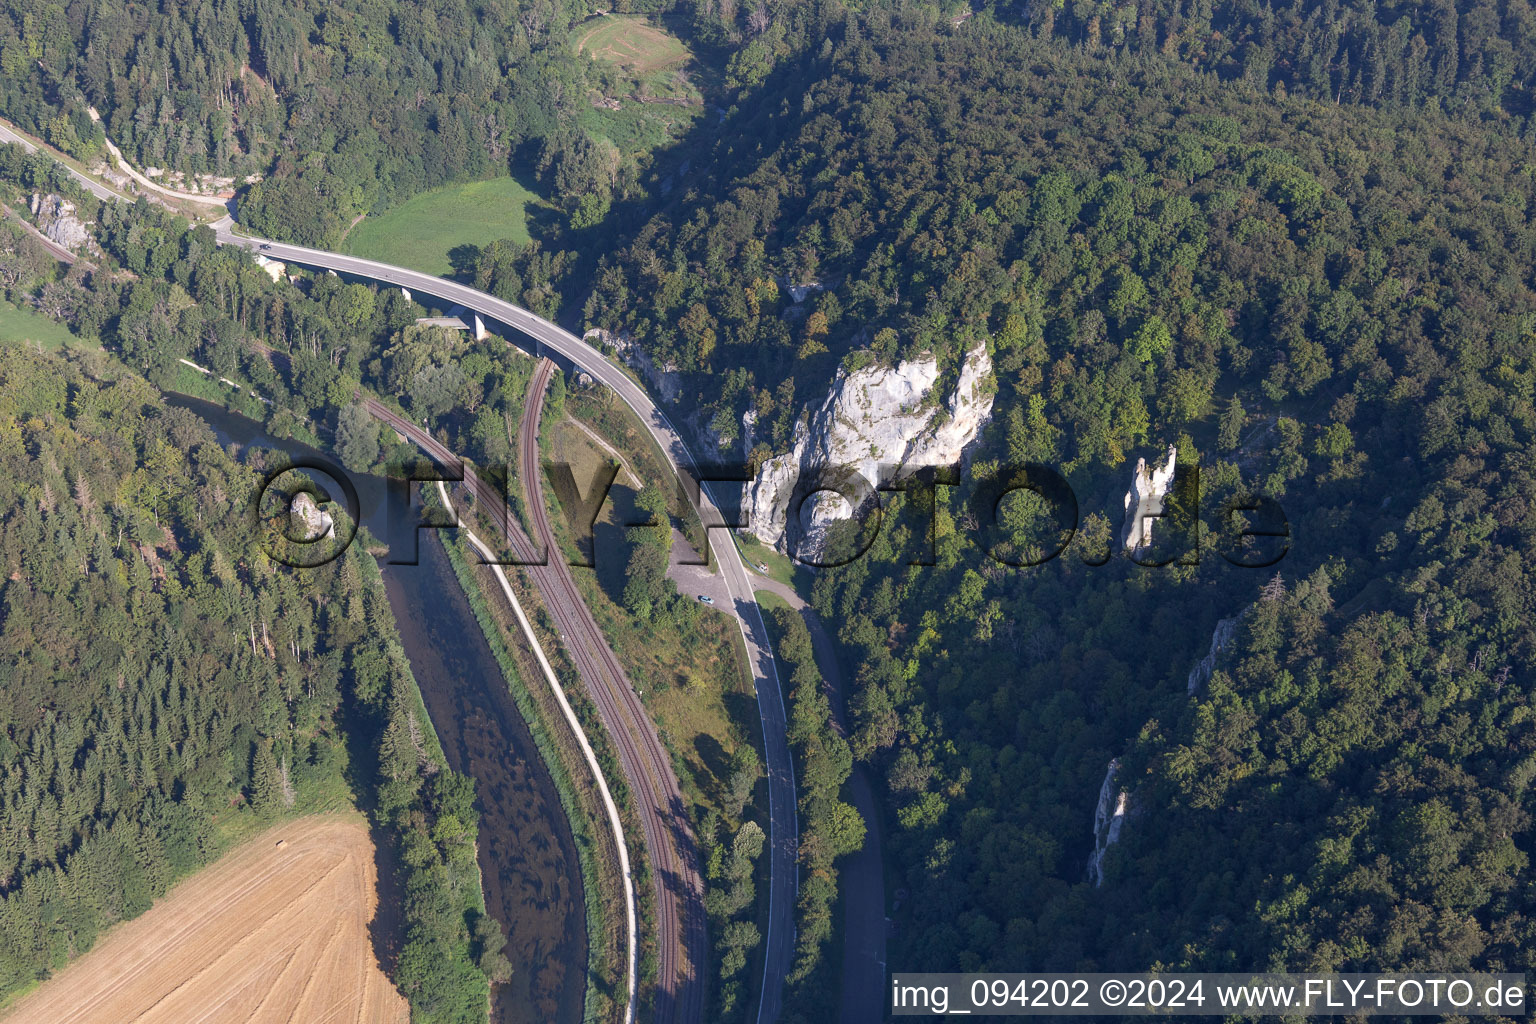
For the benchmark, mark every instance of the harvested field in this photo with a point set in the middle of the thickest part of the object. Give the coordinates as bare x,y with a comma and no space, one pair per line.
275,931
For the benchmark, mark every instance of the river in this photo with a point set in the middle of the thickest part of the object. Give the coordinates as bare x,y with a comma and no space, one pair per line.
528,861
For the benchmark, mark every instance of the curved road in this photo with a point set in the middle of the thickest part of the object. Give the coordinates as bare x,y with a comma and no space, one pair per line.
784,828
783,823
91,185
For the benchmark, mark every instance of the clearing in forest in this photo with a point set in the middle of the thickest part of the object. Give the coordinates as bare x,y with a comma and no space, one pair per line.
275,931
646,83
637,46
422,232
24,327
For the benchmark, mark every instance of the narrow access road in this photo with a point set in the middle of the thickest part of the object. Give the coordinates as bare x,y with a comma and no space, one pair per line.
615,823
218,202
548,338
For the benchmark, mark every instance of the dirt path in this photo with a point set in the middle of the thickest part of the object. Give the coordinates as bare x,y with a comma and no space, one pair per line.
605,446
355,222
170,193
276,931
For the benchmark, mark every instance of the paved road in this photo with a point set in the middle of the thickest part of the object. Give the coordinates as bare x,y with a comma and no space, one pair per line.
96,188
783,822
550,339
862,876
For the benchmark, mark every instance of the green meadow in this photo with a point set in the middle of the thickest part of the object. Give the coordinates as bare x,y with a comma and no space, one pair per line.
420,233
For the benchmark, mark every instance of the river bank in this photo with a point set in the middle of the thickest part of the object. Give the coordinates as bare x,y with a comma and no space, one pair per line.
529,860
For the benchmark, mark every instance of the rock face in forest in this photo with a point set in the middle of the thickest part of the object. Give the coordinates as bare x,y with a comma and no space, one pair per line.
1221,638
310,523
1148,488
1115,803
871,418
663,382
56,218
1108,819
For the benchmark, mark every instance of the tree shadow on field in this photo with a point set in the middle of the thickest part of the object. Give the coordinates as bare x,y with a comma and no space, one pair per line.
386,929
712,755
465,260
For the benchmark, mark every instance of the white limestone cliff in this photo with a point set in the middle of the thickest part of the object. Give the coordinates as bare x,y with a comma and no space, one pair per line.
313,524
873,417
1148,488
798,293
56,218
1108,819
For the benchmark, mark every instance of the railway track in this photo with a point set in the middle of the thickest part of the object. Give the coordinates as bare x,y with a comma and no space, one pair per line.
783,822
680,928
669,835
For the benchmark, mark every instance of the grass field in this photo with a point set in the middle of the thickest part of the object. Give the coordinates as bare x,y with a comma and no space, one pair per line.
780,566
421,232
650,73
633,44
693,679
23,327
769,601
275,931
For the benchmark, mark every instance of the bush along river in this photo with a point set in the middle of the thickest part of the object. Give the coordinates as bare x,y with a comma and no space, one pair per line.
528,860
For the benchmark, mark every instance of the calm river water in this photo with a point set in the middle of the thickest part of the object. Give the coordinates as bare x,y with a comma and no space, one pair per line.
528,860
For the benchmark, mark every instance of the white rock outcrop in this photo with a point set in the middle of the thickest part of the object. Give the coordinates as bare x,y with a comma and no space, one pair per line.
665,382
876,416
274,268
1148,488
311,523
1108,819
1221,638
798,293
56,218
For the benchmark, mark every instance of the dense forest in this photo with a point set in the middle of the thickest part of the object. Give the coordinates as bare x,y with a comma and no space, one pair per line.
1471,59
346,108
337,108
160,683
328,110
167,685
1291,239
1326,303
165,682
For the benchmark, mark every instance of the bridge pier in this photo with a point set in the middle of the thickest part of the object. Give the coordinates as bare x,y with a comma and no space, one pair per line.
480,332
407,293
